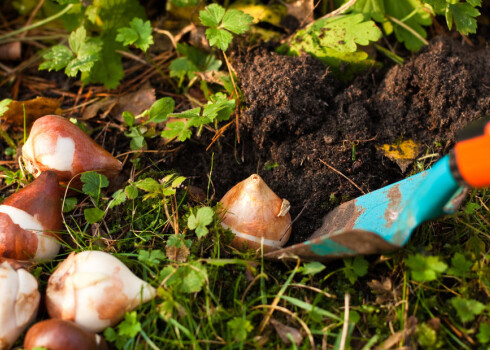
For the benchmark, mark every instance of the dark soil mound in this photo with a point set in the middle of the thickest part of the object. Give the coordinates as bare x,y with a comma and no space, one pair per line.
300,118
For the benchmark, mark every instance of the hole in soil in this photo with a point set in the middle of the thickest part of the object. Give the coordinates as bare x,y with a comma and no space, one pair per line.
300,118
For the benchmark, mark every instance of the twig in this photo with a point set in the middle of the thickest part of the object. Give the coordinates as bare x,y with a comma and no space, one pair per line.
345,327
33,14
338,172
338,11
237,97
37,24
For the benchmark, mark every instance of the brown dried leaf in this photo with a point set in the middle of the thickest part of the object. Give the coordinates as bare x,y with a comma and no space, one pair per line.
302,10
104,105
35,108
178,254
134,102
283,331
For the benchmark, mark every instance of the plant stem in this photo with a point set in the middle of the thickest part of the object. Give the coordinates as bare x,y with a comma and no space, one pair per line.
37,24
407,27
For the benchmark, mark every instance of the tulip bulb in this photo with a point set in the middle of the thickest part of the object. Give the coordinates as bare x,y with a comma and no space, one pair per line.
255,214
56,334
57,144
18,304
94,289
29,218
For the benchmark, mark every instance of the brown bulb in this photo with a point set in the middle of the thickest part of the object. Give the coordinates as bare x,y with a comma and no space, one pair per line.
56,334
254,213
29,220
55,143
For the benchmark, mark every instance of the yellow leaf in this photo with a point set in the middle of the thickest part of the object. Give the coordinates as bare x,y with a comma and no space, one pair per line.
35,108
402,153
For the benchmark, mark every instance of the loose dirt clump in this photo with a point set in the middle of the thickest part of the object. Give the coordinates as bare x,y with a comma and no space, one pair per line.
303,127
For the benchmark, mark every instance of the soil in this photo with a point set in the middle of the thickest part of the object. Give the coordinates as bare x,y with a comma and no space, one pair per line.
299,118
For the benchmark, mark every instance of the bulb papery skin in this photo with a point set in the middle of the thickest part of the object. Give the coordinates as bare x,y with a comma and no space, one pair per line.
18,303
255,214
94,289
57,144
57,334
29,220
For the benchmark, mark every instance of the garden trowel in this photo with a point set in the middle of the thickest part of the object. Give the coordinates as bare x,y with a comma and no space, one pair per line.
384,219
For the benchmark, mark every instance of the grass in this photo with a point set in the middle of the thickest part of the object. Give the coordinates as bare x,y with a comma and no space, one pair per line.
424,293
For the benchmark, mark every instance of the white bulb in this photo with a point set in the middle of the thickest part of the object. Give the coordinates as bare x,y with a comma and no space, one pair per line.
19,300
94,289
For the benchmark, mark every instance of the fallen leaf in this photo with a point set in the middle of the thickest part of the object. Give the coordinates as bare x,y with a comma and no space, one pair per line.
134,102
283,331
177,254
403,154
35,108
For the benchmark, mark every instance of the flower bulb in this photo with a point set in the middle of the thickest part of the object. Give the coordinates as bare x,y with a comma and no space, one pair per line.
57,334
256,215
57,144
29,219
18,304
94,289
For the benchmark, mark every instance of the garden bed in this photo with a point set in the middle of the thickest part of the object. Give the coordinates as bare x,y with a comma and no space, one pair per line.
299,117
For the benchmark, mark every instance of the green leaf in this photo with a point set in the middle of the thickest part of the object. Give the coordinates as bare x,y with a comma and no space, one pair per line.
411,13
176,241
138,34
239,328
177,129
459,265
198,222
184,3
467,309
160,110
4,105
474,3
93,183
471,208
312,268
192,60
93,215
425,268
69,204
237,21
56,58
77,39
108,70
130,326
355,268
147,185
464,17
483,333
188,278
212,15
374,9
129,118
152,258
219,37
131,192
334,41
114,14
219,107
118,198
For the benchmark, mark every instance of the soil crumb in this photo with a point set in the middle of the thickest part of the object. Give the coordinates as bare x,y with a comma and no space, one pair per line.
302,127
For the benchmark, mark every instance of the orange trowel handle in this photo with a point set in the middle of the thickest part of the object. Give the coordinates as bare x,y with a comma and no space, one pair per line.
471,159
